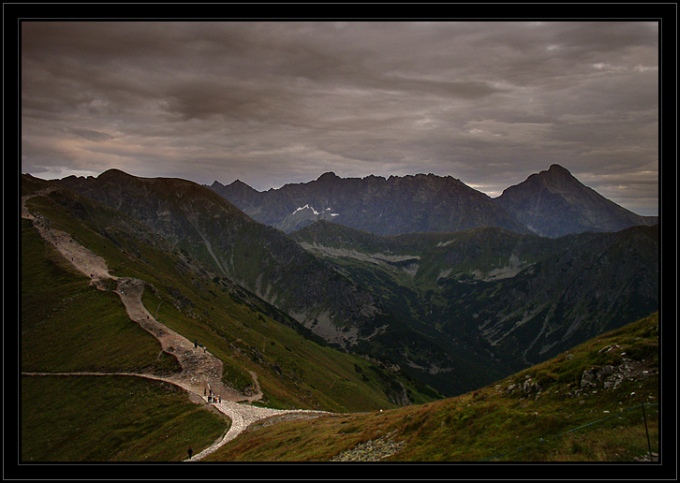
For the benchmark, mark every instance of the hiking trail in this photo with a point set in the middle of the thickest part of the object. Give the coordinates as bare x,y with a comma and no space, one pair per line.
200,370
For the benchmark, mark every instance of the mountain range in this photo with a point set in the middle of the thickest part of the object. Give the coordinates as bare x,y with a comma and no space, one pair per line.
470,335
551,203
451,309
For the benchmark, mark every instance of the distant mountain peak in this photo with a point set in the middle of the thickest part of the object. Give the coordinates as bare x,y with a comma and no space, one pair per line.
554,203
556,168
241,184
328,176
114,173
554,172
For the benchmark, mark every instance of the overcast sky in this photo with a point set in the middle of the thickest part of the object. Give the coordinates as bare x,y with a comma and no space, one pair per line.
272,103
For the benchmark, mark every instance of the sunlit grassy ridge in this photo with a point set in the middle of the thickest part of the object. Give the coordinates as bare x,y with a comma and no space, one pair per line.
545,413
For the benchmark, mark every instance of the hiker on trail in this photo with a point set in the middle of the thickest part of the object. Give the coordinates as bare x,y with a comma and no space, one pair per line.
195,343
190,452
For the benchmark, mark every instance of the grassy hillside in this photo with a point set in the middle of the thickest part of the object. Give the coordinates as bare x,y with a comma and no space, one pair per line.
69,326
111,419
243,331
584,405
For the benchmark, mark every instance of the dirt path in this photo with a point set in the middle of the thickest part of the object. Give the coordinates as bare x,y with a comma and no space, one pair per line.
201,371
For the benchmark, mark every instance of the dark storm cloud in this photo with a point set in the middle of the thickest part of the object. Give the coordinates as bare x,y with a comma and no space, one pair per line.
274,102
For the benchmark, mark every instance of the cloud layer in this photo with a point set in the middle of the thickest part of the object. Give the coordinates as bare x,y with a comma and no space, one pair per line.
276,102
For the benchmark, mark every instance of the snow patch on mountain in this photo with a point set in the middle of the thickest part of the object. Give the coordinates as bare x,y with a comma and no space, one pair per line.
306,207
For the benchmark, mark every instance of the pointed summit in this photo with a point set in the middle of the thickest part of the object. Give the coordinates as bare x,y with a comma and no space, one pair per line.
554,178
237,190
554,203
557,169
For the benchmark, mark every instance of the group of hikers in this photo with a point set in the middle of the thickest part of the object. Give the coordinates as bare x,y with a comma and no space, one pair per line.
212,397
198,344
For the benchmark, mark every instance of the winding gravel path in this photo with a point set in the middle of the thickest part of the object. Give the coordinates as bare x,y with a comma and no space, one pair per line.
201,370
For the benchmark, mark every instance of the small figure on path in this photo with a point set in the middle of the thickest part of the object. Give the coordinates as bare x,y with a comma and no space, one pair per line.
190,452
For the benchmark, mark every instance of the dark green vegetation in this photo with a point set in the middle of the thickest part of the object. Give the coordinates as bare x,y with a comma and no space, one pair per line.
246,333
68,325
583,405
111,418
494,301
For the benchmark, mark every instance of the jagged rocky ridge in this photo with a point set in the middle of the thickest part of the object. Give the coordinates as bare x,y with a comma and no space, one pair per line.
386,206
551,203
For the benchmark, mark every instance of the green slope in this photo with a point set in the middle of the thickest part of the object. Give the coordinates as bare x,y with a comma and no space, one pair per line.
69,326
584,405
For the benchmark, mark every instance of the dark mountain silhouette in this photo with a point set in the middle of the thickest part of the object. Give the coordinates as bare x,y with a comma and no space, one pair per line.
385,206
551,203
554,203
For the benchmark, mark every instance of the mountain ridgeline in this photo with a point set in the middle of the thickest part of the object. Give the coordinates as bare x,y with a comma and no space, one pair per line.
421,273
551,203
409,204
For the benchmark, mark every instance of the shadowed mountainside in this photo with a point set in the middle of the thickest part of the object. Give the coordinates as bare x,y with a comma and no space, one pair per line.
554,203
